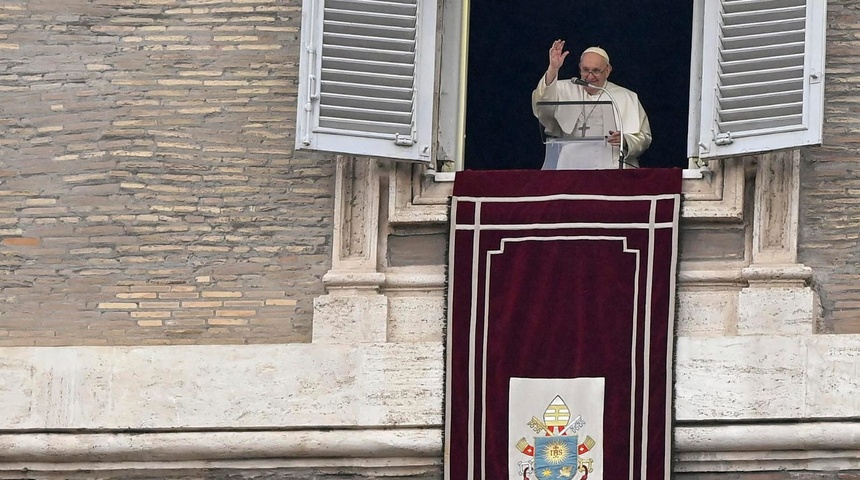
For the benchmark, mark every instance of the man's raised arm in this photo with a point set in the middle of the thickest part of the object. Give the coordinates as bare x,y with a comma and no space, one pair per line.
557,55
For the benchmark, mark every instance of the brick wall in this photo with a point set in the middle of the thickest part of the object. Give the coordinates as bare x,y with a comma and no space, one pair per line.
149,192
830,188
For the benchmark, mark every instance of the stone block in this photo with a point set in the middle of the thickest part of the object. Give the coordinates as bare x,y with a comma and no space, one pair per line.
833,369
350,319
744,377
775,310
416,319
221,387
706,313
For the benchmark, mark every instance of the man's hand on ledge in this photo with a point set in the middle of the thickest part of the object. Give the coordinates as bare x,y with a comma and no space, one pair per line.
614,138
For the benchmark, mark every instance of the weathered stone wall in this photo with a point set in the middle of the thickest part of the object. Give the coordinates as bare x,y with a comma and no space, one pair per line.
830,210
783,475
310,474
149,192
265,474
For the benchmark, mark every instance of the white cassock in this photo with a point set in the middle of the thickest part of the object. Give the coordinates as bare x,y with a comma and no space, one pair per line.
565,121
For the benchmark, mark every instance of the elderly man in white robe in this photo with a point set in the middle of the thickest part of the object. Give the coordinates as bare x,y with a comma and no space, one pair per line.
566,125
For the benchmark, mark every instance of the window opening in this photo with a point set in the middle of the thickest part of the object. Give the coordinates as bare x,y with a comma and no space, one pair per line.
508,43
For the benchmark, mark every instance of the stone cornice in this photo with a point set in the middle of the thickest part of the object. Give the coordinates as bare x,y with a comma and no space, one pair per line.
698,448
767,447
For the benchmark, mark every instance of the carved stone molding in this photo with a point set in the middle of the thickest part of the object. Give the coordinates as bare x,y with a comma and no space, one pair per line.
379,443
778,299
356,223
777,195
775,222
763,447
417,196
354,310
718,195
814,446
302,453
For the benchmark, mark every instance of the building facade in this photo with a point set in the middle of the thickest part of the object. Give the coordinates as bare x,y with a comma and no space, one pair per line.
184,294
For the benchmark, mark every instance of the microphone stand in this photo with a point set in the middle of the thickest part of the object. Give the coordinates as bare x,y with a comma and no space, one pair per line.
615,112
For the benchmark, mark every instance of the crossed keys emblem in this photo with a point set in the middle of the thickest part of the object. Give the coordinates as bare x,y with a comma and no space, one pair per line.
556,451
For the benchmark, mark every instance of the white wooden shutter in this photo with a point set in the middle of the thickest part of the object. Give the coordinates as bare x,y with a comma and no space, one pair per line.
762,75
366,77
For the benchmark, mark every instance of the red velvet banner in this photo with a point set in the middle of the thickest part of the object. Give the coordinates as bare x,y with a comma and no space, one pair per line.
560,324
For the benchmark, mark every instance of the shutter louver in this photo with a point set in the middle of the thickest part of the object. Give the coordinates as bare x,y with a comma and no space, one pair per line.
367,74
762,75
761,66
367,78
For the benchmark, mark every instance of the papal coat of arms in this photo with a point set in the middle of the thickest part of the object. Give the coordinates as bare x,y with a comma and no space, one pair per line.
556,450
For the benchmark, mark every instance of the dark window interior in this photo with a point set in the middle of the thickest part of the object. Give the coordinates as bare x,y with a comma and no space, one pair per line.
647,41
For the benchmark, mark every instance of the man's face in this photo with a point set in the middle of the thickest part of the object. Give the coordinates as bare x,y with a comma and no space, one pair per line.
594,69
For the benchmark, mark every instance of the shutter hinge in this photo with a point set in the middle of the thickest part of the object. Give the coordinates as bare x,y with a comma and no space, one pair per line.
724,139
313,96
403,140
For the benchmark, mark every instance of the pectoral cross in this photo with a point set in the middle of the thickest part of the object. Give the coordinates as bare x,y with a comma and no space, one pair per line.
583,128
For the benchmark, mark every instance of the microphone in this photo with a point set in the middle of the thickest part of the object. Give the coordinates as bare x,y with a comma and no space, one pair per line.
615,111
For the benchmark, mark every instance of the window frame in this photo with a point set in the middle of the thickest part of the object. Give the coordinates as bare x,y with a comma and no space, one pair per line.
440,88
709,142
309,134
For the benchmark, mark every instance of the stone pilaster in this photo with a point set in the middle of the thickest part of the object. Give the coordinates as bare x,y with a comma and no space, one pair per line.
778,299
353,310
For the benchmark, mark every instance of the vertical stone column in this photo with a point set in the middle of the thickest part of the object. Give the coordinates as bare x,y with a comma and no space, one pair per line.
778,299
353,310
